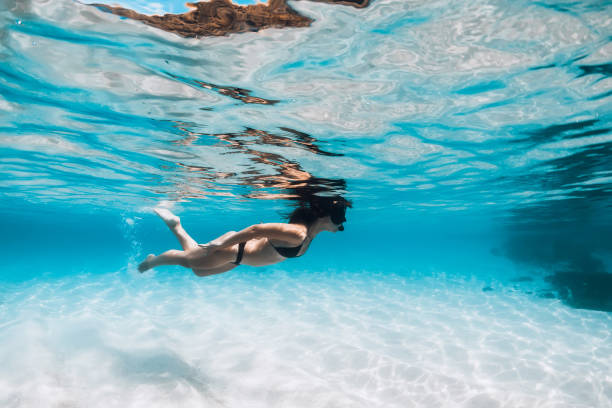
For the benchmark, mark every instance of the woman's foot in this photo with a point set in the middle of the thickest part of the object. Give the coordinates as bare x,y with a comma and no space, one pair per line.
170,219
146,264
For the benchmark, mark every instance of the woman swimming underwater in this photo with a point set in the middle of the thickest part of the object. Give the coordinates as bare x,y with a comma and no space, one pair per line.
257,245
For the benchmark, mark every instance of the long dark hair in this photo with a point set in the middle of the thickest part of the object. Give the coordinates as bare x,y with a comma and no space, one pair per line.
317,207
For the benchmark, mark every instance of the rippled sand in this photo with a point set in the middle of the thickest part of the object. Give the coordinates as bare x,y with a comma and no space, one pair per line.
273,339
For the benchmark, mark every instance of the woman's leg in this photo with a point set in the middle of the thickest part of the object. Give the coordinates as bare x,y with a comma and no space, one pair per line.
192,255
200,258
196,258
171,257
174,223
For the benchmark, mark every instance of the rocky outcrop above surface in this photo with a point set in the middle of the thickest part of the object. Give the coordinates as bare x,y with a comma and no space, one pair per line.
221,17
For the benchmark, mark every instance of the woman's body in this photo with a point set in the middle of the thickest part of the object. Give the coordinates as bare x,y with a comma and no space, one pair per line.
257,245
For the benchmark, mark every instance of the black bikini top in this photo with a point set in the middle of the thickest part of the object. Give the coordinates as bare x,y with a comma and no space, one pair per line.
289,252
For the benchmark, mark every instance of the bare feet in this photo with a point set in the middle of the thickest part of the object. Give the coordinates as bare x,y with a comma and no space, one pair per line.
145,265
170,219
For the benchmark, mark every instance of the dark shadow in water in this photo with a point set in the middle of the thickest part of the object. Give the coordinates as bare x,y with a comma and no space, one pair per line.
574,7
161,368
579,277
575,177
601,69
158,366
568,235
602,95
569,63
583,290
557,132
221,17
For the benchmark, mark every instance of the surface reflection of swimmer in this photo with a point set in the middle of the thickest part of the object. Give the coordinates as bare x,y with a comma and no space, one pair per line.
257,245
270,174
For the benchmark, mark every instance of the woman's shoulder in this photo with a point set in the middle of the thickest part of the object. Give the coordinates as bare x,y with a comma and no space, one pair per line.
299,229
284,231
292,228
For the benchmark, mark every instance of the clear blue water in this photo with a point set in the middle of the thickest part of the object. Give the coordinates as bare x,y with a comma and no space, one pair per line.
472,137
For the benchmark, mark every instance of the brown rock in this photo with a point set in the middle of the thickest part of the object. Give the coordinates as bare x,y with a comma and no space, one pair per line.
221,17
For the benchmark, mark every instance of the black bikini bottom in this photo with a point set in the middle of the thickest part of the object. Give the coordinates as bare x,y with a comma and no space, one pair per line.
240,253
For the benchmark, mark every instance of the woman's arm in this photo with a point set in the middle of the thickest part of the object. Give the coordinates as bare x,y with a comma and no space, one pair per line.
293,234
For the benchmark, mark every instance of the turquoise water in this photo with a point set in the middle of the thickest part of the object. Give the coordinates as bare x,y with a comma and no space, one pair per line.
473,139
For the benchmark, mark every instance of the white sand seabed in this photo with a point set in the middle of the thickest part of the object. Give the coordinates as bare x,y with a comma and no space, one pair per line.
331,339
